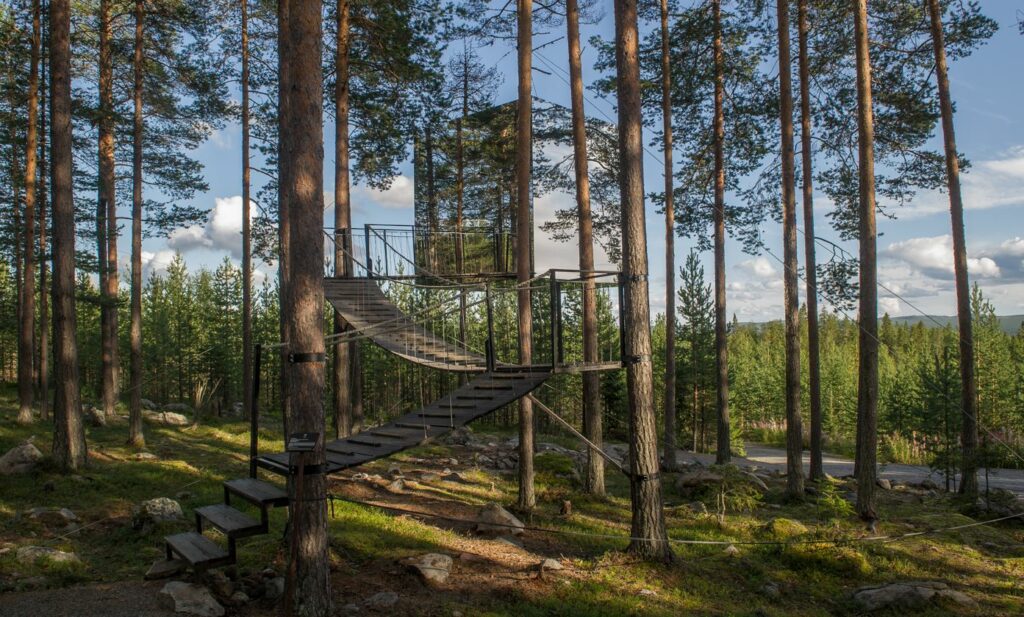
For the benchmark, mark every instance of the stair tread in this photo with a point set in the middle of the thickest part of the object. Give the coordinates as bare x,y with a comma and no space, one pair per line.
195,548
257,491
229,520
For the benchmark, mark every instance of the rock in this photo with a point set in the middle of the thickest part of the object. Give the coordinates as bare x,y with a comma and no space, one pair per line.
495,519
273,588
785,528
756,481
28,555
433,568
381,600
396,486
551,564
148,404
648,592
145,456
697,507
238,598
220,584
884,484
178,407
159,510
93,417
455,477
395,471
731,551
237,410
190,599
908,595
183,495
929,484
53,517
20,459
459,437
771,591
696,478
429,476
168,418
164,568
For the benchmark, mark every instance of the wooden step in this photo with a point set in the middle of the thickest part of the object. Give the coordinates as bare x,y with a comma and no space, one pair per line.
257,492
233,523
199,551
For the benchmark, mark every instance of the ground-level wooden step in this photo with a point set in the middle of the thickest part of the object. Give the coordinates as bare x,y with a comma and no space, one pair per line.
256,492
199,551
234,523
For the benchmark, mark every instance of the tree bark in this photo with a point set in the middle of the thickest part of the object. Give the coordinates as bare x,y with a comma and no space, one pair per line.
460,188
592,421
806,156
44,304
135,435
867,391
108,200
670,461
794,434
247,342
69,448
26,339
648,521
723,451
341,374
283,218
524,160
308,583
968,386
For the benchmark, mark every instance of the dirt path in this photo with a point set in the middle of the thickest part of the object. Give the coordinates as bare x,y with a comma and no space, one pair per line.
126,599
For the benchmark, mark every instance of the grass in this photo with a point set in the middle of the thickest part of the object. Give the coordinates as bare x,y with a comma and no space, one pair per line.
366,543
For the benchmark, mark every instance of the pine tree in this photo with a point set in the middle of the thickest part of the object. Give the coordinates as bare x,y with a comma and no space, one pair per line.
696,323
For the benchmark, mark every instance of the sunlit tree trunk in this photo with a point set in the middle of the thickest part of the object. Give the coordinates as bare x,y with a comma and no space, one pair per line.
794,436
867,391
283,218
135,436
107,197
301,151
44,292
26,339
594,480
247,342
968,385
670,249
807,175
524,159
69,448
723,452
647,530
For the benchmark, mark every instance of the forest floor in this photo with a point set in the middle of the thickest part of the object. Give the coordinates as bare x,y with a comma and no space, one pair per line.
491,576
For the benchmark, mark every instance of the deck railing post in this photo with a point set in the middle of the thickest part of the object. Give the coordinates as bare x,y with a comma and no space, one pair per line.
387,260
369,255
553,306
254,412
622,326
489,345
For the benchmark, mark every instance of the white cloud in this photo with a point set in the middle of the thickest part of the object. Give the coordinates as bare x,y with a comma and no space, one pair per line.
549,253
989,183
890,306
399,196
222,231
934,257
157,262
758,266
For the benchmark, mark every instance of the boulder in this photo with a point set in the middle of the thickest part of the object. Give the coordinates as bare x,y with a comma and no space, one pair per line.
785,528
731,551
237,410
53,517
93,417
884,484
755,480
550,564
164,568
495,519
177,407
148,404
28,555
190,599
909,595
396,486
433,568
382,600
462,436
273,588
20,459
159,510
696,478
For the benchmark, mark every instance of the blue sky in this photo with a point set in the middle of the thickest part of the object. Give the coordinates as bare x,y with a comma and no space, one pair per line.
915,261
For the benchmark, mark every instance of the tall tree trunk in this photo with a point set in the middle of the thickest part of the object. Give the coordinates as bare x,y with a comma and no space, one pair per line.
524,159
867,390
135,436
26,340
594,481
247,342
807,175
671,464
44,303
968,386
108,235
723,452
648,522
460,189
283,217
308,583
69,448
794,434
341,374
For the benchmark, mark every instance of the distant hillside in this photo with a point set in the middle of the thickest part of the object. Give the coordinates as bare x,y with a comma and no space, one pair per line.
1009,323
